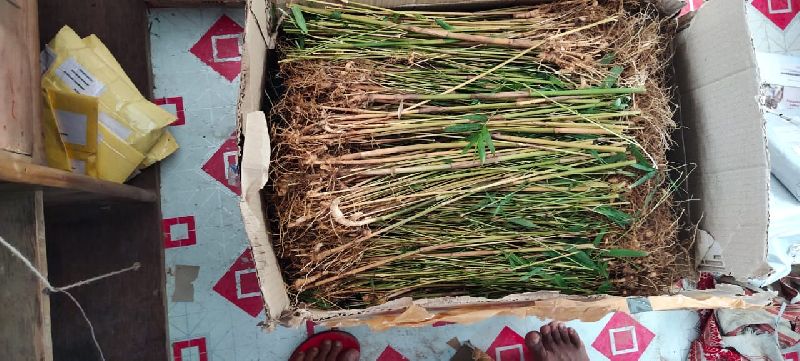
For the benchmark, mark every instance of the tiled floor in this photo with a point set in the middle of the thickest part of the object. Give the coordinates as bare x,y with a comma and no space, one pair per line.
214,305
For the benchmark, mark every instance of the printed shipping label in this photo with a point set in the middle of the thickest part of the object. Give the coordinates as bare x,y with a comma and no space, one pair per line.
78,78
72,126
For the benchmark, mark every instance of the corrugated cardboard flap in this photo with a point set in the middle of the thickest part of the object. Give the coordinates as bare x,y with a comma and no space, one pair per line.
550,305
719,87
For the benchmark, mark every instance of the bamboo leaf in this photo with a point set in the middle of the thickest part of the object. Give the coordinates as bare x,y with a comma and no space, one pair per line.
471,139
622,252
640,159
487,137
622,103
514,260
643,179
480,146
476,117
297,14
619,217
576,228
522,222
463,127
533,272
605,287
502,203
490,144
602,269
643,167
443,24
598,239
556,81
616,158
558,280
584,260
596,155
611,80
336,14
608,58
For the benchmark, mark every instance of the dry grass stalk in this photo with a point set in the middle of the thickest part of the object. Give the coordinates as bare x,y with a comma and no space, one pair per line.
375,198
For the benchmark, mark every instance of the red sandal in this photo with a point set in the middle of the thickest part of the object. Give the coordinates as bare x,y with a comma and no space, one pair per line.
349,342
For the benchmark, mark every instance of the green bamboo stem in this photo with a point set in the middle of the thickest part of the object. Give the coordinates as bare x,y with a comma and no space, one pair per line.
439,33
510,95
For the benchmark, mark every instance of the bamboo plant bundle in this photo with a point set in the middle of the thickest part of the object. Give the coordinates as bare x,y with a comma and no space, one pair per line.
478,153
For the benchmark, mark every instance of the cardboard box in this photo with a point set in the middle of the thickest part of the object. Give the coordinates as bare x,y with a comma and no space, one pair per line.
719,86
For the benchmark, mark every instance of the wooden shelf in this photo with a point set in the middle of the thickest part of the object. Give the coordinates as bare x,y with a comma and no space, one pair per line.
61,186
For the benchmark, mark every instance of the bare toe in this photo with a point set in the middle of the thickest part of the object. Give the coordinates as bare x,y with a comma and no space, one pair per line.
574,338
335,350
547,337
350,355
555,331
563,330
312,354
324,351
534,341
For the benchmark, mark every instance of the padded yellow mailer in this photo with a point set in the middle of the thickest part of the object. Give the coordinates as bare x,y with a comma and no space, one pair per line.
70,126
130,130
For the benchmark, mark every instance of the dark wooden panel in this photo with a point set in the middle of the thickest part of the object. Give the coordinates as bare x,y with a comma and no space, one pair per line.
88,239
128,311
24,316
195,3
120,24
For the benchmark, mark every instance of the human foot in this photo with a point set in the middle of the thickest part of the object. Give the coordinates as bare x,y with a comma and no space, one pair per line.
556,342
333,345
327,352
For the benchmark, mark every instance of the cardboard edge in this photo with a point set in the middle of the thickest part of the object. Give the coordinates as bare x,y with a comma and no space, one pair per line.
544,305
256,152
715,249
255,173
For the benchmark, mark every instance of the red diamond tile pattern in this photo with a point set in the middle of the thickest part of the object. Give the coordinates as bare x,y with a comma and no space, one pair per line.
623,338
224,164
240,285
390,354
196,343
509,346
780,12
219,47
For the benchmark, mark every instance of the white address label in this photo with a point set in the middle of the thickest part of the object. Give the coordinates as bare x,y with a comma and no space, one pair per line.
79,79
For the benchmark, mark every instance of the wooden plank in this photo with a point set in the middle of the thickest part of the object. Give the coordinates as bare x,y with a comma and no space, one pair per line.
128,311
19,79
195,3
25,326
120,24
34,175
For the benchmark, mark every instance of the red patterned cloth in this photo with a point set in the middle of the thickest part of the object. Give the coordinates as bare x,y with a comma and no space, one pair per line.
708,346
